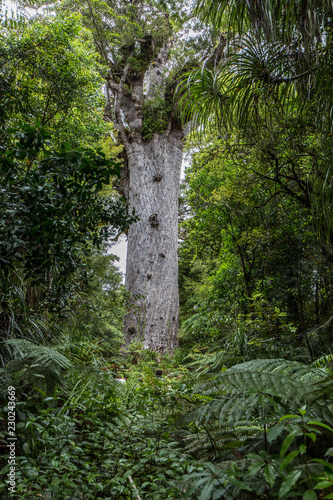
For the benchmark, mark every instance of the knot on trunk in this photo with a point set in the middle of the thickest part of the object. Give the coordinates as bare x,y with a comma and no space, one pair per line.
153,221
157,177
131,330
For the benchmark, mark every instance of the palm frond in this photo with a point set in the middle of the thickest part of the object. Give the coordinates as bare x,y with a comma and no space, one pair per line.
254,78
200,97
275,20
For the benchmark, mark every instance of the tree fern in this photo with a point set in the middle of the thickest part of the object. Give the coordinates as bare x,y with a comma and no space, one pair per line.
324,362
34,364
207,362
257,388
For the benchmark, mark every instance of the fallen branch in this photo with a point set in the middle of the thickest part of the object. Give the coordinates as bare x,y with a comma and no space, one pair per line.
134,488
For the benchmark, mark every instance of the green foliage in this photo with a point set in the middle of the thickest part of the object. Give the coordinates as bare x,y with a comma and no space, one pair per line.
50,73
107,441
245,415
274,406
267,474
274,73
155,114
57,205
125,33
259,426
52,213
298,19
252,269
250,265
274,379
51,210
33,364
263,81
93,326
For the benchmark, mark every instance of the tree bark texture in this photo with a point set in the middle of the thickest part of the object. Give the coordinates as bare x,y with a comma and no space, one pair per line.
151,185
152,264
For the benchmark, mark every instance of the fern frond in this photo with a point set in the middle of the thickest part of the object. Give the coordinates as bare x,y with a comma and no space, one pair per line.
86,351
324,362
241,392
291,368
35,364
48,357
323,389
208,362
248,381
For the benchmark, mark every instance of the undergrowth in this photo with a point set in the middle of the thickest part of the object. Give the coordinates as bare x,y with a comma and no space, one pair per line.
258,429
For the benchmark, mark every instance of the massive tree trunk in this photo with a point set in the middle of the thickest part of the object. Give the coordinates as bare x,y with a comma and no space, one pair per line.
152,266
134,39
152,188
151,184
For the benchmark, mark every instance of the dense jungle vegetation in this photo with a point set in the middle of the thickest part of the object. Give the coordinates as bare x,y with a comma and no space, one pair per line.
243,409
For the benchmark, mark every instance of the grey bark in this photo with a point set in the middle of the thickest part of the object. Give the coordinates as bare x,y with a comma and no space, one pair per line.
152,265
151,184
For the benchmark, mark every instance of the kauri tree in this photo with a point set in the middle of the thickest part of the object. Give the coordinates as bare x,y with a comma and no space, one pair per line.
135,40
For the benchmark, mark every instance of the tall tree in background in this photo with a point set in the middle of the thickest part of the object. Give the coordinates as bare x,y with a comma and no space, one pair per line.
134,39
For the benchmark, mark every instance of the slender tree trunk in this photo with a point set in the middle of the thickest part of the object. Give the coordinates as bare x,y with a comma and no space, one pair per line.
152,265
